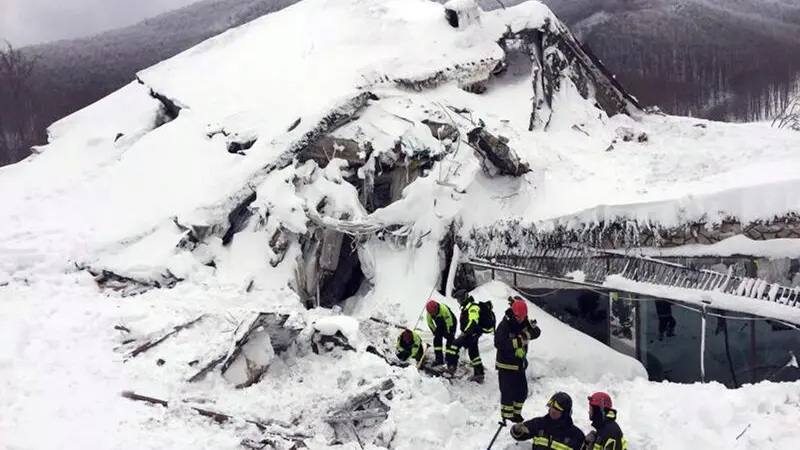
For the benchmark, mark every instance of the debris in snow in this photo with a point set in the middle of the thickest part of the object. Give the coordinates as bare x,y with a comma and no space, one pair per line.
341,331
127,286
442,131
150,343
207,368
367,409
264,425
498,157
628,134
462,13
256,344
326,148
344,325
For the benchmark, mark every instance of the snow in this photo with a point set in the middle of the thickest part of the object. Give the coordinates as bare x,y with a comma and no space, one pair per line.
546,354
64,376
132,204
734,245
329,326
407,38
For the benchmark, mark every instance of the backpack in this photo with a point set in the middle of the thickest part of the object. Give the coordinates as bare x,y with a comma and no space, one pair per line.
487,320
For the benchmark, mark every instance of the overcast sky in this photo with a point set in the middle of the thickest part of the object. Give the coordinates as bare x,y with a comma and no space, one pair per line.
25,22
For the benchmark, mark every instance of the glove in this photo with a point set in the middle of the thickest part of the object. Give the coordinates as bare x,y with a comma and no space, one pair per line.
518,430
519,353
590,438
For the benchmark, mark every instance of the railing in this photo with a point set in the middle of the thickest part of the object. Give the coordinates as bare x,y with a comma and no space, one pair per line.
590,267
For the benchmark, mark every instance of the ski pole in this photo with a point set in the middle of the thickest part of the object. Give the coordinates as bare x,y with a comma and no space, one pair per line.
496,433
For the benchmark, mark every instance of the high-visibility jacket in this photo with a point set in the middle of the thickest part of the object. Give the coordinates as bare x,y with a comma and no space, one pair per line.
512,353
413,350
443,323
548,434
608,435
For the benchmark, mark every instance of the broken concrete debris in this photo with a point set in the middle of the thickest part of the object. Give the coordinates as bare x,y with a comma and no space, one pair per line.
498,158
365,410
258,340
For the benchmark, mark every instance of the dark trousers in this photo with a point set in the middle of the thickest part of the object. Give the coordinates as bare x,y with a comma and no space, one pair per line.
450,351
513,392
471,344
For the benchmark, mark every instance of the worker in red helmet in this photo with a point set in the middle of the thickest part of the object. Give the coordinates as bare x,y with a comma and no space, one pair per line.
511,340
607,435
442,323
409,345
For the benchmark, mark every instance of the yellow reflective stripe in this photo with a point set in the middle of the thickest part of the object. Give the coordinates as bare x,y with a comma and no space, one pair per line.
597,447
451,351
437,348
519,405
542,441
473,315
611,415
612,442
488,330
507,407
624,443
507,414
559,446
555,405
477,361
515,343
500,365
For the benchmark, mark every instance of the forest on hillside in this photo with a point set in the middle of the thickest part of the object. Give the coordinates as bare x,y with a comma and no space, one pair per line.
733,70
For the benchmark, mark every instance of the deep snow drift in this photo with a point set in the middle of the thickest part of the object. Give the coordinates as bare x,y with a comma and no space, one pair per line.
221,172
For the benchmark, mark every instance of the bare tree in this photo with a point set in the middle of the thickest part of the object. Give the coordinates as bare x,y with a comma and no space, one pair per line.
789,117
18,118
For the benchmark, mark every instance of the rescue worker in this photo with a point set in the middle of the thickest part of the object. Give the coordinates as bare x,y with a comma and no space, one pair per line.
471,330
554,430
511,341
442,323
409,345
607,434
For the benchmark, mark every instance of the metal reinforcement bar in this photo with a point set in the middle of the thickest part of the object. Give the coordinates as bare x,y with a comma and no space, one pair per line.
590,267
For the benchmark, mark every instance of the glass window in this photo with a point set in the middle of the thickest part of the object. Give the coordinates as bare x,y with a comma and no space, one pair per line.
669,341
728,342
582,309
622,324
776,348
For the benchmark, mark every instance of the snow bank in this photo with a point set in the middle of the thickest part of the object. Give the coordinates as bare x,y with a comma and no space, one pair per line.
687,170
561,351
364,40
348,326
735,245
104,119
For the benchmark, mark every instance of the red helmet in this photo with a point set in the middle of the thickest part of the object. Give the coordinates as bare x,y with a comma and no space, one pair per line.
519,308
432,307
407,336
600,399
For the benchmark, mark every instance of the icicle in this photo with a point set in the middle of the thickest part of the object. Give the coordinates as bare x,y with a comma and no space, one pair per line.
451,275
